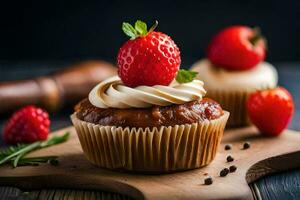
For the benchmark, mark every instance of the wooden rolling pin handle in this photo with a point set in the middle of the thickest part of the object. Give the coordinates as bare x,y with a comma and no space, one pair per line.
50,97
52,92
75,83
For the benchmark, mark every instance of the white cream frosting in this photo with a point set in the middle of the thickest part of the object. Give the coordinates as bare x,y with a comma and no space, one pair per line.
262,76
112,93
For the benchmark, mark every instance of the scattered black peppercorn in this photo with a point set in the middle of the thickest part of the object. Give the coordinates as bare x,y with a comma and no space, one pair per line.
232,168
224,172
228,147
208,181
54,162
229,159
246,145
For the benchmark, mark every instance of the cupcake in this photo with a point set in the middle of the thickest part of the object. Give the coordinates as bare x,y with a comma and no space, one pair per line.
235,68
152,118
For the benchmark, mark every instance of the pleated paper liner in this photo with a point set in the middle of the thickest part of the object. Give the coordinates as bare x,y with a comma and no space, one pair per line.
235,103
151,150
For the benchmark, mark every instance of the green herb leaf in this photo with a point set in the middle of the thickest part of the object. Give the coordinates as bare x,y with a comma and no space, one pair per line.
38,159
35,160
28,163
141,27
129,30
55,140
16,160
24,150
185,76
15,154
11,150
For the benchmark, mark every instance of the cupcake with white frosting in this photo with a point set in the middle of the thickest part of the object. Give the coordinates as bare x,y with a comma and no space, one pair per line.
234,69
232,88
152,124
149,129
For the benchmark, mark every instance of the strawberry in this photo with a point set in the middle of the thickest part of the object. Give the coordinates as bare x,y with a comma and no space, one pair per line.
148,58
237,48
271,110
27,125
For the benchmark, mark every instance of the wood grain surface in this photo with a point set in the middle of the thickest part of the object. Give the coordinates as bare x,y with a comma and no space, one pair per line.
8,193
266,155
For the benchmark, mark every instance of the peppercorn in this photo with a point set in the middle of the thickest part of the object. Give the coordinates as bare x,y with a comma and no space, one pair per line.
224,172
208,181
228,147
232,168
230,158
246,145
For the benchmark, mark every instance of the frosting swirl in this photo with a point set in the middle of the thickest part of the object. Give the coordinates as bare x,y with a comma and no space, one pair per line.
264,75
112,93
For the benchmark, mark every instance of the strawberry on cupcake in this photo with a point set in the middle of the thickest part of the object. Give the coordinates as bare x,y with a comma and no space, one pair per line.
148,58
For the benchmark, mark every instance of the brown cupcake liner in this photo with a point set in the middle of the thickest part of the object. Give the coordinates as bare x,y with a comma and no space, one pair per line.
151,149
235,103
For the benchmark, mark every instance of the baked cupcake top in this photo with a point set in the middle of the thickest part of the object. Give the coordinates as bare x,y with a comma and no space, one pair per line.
263,75
176,114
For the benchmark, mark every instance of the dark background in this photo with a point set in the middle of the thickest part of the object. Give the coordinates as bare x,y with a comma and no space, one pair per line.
75,30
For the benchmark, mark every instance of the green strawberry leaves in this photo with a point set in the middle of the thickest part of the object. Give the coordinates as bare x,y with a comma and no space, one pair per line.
185,76
129,30
257,36
139,29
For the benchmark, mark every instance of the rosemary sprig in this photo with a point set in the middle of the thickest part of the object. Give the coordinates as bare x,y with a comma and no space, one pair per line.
15,154
33,160
10,150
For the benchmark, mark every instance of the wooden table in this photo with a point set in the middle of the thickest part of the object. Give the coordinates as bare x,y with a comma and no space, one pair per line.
284,185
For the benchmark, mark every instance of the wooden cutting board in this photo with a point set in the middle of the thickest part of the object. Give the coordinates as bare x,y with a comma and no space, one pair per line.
266,155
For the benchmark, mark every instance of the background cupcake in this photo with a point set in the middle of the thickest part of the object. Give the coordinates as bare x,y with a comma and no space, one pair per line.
142,120
234,69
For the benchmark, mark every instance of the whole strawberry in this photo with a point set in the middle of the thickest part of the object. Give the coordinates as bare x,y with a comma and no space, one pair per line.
237,48
148,58
271,110
27,125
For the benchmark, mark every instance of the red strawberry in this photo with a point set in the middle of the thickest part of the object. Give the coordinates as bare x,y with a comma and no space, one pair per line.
271,110
149,58
27,125
237,48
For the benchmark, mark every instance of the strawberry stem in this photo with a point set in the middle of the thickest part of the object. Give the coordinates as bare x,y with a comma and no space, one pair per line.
257,36
153,27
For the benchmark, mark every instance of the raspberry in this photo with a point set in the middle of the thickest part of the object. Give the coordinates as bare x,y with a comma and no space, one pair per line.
27,125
